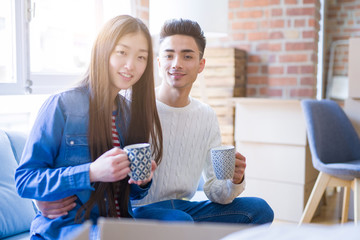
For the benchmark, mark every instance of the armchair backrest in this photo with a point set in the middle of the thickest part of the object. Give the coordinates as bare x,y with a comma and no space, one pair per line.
331,136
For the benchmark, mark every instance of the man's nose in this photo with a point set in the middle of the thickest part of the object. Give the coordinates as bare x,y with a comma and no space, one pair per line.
176,63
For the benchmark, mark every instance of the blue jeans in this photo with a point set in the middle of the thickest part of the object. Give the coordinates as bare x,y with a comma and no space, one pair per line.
244,210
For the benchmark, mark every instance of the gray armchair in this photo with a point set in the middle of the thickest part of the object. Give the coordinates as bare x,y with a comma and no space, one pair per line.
335,150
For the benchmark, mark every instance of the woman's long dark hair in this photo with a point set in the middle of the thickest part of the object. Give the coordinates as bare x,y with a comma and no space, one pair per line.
144,124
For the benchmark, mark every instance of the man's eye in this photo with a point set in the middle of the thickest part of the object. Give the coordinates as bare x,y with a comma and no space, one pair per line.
188,57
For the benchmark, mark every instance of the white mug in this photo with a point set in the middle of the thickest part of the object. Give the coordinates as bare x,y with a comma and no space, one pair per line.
140,160
223,160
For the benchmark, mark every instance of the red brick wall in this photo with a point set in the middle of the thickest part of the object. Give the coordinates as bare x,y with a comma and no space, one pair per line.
281,40
280,37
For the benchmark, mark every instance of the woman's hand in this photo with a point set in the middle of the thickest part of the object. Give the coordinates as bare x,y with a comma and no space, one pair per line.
146,181
112,166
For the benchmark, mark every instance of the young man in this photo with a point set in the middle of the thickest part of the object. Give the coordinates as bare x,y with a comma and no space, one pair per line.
190,130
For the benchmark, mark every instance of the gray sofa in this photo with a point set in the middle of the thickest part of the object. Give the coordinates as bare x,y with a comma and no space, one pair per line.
16,213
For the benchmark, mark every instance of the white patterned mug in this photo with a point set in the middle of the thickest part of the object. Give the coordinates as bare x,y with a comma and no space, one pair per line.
140,160
223,160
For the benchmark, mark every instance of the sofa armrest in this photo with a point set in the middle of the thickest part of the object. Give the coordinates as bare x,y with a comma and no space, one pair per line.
16,212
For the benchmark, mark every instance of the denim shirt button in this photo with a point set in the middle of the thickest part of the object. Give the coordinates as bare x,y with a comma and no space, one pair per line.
72,142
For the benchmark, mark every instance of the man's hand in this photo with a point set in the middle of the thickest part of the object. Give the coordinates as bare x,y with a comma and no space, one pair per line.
57,208
240,165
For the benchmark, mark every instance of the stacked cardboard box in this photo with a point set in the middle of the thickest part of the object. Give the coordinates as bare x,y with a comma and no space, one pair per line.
223,78
271,134
352,103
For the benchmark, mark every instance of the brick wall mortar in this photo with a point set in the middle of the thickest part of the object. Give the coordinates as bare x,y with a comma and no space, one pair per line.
284,30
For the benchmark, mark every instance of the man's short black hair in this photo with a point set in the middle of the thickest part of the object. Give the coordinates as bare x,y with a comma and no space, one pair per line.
184,27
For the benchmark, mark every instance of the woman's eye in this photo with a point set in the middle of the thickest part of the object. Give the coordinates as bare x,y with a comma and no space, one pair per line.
142,58
120,52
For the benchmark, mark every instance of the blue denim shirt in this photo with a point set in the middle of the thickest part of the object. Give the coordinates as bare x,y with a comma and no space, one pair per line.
56,160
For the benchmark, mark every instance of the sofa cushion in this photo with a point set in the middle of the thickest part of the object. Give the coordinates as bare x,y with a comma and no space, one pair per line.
16,213
20,236
17,141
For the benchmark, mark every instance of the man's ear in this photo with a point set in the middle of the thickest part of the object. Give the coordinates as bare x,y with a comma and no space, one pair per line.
202,65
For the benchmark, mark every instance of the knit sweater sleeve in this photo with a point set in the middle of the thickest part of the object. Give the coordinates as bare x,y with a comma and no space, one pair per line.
219,191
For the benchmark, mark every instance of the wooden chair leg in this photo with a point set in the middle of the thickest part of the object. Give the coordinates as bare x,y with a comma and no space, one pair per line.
345,206
356,188
315,196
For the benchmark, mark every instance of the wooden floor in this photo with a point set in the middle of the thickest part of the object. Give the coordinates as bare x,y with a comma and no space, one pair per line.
330,212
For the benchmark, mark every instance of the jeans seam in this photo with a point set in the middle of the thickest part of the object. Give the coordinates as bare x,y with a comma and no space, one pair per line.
224,214
172,204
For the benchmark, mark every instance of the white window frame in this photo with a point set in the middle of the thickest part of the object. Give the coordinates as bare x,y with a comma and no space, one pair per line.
25,81
21,51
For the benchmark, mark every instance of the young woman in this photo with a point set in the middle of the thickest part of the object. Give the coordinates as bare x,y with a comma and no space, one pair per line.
75,145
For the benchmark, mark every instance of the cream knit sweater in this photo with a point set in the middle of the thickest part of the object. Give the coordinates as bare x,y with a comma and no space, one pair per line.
188,135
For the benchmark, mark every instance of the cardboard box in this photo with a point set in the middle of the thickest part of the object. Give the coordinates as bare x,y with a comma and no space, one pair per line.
271,134
354,69
128,229
270,121
223,78
286,199
352,110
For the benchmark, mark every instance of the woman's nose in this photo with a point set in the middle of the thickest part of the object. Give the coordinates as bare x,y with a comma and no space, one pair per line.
130,64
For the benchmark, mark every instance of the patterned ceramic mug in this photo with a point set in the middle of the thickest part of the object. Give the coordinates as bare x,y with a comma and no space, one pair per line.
223,160
140,160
